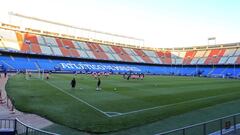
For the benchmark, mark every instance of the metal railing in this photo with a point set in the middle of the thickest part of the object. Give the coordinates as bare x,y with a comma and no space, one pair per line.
220,126
19,128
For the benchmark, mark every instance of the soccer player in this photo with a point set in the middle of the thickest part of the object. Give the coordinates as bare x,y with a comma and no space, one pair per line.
98,84
5,73
73,83
29,74
129,76
124,75
47,76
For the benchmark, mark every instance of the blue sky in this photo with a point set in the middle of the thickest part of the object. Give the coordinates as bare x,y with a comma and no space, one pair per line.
162,23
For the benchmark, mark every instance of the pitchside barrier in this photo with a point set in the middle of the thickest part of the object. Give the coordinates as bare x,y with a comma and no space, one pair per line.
221,126
16,127
8,100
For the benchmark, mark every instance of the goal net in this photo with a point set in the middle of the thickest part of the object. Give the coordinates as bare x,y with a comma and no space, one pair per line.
238,76
217,75
34,74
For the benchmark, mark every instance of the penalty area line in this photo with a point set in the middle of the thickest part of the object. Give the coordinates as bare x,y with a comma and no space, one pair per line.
78,99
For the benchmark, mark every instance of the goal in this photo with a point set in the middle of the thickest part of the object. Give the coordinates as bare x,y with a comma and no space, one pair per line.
34,74
217,75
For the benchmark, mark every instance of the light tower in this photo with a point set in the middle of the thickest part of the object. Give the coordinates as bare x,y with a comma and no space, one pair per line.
212,40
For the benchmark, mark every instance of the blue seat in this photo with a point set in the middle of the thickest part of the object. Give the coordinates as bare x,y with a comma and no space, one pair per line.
23,63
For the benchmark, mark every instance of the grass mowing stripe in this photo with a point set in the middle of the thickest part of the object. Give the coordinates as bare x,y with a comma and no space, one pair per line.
78,99
115,114
168,105
140,110
47,101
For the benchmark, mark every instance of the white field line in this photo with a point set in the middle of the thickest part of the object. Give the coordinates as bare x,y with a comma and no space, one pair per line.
168,105
140,110
78,99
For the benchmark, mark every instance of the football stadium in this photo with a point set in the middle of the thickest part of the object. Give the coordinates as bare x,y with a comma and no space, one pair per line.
57,78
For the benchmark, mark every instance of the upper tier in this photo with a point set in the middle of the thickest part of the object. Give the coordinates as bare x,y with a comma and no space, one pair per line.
31,43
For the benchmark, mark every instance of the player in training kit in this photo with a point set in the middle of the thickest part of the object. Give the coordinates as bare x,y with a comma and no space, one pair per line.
73,83
98,84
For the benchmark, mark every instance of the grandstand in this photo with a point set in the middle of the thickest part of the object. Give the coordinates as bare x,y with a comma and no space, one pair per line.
16,44
30,49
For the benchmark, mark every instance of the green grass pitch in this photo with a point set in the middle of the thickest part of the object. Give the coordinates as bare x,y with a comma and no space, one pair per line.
121,104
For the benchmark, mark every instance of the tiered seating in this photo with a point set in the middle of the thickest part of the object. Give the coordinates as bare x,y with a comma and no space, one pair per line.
218,71
232,60
203,56
44,64
206,71
68,44
238,60
24,46
107,50
52,44
197,57
83,50
232,54
168,57
160,54
8,40
31,41
174,56
165,57
214,56
65,50
177,57
189,57
3,60
229,52
219,56
226,56
23,63
80,51
97,51
20,63
122,54
153,56
143,55
186,71
237,55
133,55
46,45
232,71
181,57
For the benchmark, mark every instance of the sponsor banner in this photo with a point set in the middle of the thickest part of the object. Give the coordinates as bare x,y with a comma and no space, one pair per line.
83,66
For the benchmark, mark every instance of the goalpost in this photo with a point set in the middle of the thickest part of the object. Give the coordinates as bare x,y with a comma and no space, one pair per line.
34,74
237,76
217,75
